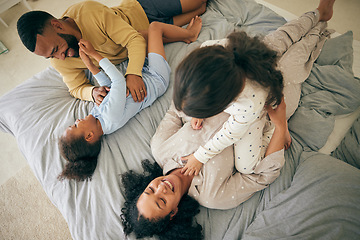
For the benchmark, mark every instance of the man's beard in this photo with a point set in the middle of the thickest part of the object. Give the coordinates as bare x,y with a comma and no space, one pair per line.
71,42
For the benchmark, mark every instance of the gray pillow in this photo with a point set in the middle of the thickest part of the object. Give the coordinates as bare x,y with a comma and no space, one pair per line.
338,51
349,148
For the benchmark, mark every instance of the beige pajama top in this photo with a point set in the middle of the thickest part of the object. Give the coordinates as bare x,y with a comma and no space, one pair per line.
218,184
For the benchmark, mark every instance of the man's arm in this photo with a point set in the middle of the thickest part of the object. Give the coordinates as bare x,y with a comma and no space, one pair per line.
125,35
72,71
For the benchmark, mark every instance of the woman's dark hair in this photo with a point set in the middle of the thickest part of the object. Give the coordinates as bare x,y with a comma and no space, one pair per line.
30,25
81,156
181,226
210,78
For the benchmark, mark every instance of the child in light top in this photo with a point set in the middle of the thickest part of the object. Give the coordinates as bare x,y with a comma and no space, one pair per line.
240,75
81,143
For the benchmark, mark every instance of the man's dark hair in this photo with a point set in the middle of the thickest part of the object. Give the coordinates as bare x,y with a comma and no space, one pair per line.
30,25
181,226
81,156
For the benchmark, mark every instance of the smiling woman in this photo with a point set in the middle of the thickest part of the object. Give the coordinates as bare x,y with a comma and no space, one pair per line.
165,210
163,194
161,200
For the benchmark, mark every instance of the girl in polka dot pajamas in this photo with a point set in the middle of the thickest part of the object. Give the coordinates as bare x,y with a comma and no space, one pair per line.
240,75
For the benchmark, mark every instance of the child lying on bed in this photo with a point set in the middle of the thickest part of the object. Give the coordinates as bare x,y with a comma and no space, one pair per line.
80,144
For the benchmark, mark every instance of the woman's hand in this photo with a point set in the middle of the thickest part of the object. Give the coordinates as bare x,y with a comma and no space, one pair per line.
281,137
197,123
192,166
278,115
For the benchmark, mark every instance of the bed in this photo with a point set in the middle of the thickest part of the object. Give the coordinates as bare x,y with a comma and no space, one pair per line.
316,196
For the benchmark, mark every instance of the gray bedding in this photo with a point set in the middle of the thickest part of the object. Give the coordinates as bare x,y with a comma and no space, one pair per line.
315,196
349,148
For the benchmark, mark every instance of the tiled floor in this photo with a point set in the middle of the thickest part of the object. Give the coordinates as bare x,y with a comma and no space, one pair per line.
19,64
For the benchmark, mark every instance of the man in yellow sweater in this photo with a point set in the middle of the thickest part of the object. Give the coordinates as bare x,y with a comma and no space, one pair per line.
114,33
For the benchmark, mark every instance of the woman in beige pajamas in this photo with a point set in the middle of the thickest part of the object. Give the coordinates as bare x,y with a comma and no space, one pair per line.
162,202
200,80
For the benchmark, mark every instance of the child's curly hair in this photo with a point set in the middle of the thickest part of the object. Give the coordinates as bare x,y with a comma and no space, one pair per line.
81,156
181,226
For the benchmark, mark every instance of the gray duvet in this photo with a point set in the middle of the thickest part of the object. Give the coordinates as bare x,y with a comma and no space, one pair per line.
316,196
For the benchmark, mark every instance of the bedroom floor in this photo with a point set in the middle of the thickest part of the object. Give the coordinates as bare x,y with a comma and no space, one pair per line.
19,64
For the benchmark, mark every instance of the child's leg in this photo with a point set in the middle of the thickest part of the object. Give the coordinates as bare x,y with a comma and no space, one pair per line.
177,12
156,53
159,31
190,9
249,149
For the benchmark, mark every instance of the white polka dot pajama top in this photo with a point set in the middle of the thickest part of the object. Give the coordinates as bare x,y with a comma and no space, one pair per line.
218,184
298,43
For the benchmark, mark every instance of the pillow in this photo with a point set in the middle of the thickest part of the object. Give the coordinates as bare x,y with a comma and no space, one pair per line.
338,51
349,148
321,203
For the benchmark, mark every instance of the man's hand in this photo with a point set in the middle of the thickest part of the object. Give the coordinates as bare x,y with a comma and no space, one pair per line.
197,123
99,93
136,86
192,166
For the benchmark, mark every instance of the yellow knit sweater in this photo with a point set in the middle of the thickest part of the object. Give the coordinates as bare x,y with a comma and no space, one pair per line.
114,34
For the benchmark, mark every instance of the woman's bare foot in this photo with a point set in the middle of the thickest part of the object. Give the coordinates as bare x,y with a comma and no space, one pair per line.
326,9
194,27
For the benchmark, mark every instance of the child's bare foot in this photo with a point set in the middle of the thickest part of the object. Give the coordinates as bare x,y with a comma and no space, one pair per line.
194,27
326,9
